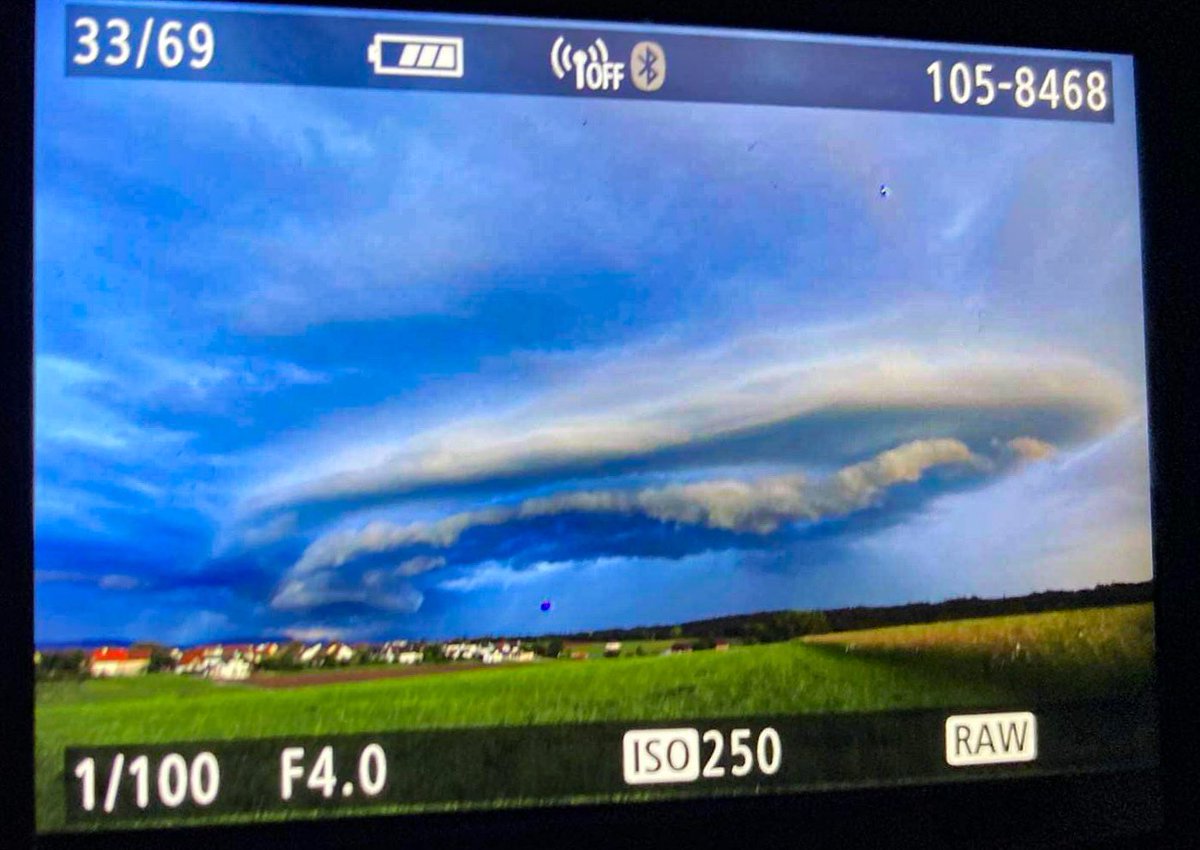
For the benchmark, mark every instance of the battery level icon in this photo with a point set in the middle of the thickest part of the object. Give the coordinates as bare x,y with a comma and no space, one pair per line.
416,55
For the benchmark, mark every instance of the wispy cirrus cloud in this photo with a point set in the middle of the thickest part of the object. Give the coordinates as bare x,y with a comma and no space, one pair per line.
75,410
105,581
323,590
215,380
497,575
273,530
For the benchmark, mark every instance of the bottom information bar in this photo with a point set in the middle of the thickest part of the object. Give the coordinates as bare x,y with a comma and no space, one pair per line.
405,770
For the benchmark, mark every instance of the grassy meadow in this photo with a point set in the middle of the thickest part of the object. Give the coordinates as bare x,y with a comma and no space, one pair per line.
1026,659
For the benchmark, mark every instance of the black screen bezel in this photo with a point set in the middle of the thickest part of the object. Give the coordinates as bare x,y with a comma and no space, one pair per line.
1158,806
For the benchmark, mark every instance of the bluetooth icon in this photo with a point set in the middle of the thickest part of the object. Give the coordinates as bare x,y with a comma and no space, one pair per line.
648,60
648,63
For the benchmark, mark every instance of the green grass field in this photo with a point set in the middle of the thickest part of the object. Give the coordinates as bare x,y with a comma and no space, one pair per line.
1026,659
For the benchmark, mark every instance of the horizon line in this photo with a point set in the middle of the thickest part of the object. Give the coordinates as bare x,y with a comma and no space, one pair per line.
283,638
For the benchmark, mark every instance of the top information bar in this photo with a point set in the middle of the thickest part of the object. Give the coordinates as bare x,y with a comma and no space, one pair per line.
649,63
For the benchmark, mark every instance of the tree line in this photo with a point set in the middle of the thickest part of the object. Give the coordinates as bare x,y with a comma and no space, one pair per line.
771,626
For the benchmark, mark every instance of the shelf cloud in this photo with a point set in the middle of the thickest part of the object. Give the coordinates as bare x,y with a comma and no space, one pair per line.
756,506
746,401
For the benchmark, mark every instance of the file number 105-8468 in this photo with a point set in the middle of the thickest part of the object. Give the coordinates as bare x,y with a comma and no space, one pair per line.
977,83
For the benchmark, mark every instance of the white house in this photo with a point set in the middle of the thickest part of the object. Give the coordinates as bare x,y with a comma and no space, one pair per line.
310,652
118,661
217,661
231,669
464,651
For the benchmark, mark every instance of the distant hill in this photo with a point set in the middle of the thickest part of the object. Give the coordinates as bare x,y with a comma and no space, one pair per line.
768,624
89,643
92,643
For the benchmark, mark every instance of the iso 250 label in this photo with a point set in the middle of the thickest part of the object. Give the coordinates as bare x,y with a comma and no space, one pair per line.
655,756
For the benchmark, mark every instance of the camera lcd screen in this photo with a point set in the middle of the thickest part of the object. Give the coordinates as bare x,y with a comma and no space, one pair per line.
443,413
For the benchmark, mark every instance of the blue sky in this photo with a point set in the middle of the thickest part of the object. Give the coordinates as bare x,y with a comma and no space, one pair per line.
367,364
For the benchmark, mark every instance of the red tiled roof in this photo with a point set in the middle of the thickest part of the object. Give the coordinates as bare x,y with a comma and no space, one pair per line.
119,653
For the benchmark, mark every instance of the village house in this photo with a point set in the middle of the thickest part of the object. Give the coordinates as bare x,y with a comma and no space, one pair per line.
235,662
234,668
465,651
398,652
321,653
191,661
118,661
502,653
265,650
406,652
228,663
238,650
